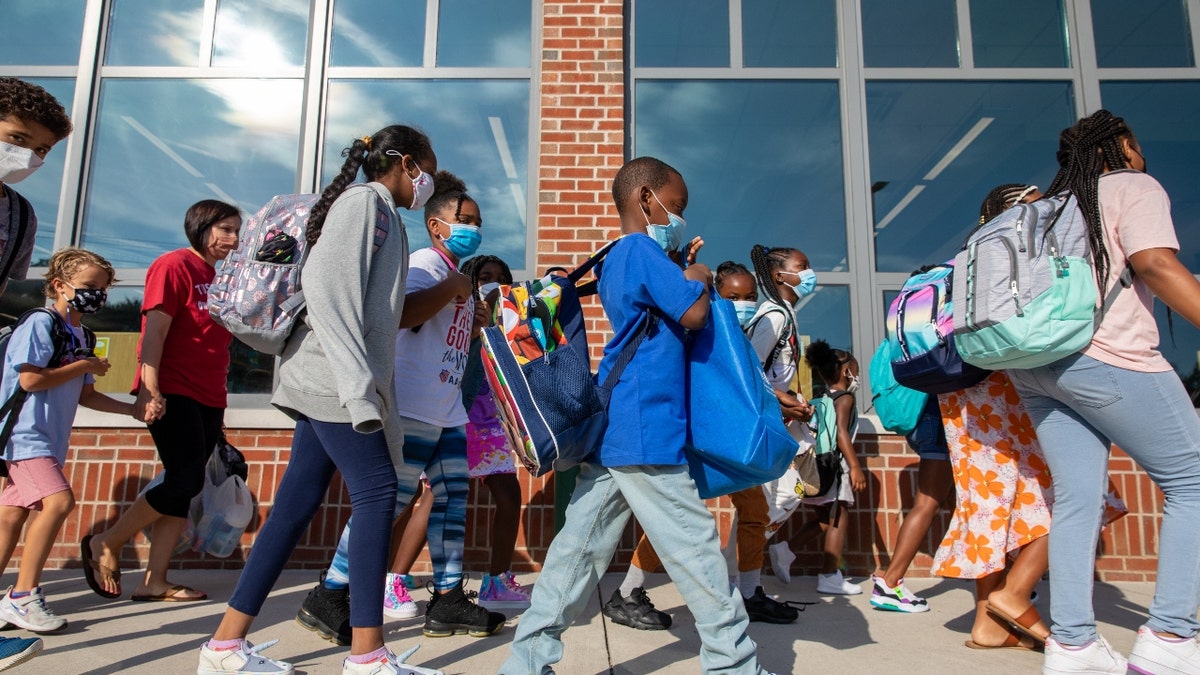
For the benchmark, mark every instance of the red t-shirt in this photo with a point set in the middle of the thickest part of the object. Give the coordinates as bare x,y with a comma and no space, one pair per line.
195,356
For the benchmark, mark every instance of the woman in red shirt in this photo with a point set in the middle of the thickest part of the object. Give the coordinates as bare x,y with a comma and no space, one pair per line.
183,358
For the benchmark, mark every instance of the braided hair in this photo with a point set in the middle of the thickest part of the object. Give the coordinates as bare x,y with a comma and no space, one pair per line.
1085,150
728,269
1001,198
369,154
447,189
766,261
471,267
826,360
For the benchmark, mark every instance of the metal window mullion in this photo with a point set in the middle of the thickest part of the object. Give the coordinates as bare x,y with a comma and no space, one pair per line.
208,27
196,72
68,226
736,59
24,72
968,75
533,154
736,74
421,73
966,41
1083,43
432,8
316,86
1150,73
1193,11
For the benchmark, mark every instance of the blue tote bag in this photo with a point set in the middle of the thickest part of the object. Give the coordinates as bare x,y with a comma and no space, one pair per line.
736,436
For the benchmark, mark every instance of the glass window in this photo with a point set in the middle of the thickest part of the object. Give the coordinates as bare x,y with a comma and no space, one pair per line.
762,160
356,41
1181,346
1019,34
938,148
911,34
162,145
789,33
1144,34
261,34
20,297
155,33
681,33
825,315
479,130
484,33
44,187
42,32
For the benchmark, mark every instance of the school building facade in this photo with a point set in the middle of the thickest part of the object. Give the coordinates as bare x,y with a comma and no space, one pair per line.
864,132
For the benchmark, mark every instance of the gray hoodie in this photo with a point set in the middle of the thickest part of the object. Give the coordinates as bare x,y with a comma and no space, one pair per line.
338,364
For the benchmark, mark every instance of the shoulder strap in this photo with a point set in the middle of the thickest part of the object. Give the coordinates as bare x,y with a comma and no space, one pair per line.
786,335
22,208
648,327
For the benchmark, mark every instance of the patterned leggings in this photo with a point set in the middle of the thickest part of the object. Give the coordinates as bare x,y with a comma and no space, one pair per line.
442,455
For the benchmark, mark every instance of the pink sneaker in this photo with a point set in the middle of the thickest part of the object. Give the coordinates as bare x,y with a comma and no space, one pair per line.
397,603
502,591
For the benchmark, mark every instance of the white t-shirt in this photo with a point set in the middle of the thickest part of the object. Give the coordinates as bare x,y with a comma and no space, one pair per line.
768,324
430,358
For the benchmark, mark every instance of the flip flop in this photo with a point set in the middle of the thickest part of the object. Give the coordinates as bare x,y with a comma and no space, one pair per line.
1011,642
92,567
1022,624
169,595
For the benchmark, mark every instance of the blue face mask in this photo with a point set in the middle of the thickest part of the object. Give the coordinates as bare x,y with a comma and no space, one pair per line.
464,239
669,236
745,309
807,283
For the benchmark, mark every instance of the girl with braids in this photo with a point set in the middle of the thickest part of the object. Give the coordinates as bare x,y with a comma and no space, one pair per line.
335,380
490,458
440,317
1120,390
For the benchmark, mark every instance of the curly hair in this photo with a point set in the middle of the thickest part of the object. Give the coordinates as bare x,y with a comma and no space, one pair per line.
32,103
67,262
826,360
447,189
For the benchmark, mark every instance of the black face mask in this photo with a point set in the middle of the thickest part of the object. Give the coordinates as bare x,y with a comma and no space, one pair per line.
88,300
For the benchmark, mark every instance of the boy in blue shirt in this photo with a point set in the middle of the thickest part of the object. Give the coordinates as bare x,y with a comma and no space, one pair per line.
640,468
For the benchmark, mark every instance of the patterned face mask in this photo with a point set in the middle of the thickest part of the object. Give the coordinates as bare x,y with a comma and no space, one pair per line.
88,300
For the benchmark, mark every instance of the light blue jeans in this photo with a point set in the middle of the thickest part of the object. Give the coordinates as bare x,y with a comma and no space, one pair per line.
1079,405
667,505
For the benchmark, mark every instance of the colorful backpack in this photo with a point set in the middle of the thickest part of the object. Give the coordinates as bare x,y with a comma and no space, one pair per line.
920,327
256,293
537,362
1026,294
898,407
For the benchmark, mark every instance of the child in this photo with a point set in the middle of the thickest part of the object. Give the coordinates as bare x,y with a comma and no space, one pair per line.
440,316
735,283
839,371
59,374
639,468
31,123
490,458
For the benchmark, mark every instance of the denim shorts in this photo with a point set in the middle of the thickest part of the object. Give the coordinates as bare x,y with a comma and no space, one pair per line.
928,439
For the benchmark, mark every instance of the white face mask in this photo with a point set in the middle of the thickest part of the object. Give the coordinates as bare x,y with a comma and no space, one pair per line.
17,163
853,386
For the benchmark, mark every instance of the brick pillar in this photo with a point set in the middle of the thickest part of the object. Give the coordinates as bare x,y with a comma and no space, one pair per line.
581,135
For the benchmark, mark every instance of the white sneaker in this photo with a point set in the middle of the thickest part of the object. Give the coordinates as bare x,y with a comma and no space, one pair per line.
1156,655
30,612
397,603
1096,656
781,561
390,664
835,584
241,659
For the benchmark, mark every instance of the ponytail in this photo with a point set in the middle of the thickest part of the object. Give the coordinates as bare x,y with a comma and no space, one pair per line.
825,360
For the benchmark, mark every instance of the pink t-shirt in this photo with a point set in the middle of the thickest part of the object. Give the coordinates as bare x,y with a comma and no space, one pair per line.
1136,214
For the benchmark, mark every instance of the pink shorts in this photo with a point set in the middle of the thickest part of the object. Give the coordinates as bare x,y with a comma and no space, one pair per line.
32,480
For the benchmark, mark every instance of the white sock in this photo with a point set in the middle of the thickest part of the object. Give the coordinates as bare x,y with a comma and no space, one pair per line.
635,578
748,581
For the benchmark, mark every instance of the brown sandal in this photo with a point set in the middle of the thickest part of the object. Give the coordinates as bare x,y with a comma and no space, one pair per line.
92,568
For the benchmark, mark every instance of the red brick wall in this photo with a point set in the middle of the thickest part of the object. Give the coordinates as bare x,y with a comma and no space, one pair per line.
107,468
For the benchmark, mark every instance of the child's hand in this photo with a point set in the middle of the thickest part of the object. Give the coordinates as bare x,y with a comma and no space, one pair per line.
858,480
699,272
483,317
461,285
793,407
97,366
690,251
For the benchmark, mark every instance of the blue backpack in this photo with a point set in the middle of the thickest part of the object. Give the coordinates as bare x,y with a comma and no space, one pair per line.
898,407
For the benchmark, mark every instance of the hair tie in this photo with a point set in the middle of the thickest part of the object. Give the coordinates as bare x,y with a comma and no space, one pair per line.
367,142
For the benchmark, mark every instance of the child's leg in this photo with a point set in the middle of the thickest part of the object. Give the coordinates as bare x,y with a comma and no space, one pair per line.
835,539
935,482
12,519
812,527
506,495
751,507
1011,595
40,538
447,472
408,532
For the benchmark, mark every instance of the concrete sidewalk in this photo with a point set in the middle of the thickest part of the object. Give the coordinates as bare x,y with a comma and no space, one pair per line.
840,635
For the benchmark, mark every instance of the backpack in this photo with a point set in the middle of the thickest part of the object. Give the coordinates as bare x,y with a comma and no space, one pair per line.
256,293
21,213
920,326
898,407
788,334
1026,290
538,365
829,457
60,337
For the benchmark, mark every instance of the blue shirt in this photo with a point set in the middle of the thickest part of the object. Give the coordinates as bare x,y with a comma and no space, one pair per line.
44,427
648,411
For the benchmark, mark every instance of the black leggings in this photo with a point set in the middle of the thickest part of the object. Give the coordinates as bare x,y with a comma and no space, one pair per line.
185,437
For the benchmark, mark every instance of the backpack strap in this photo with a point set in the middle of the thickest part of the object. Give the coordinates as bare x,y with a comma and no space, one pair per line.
21,207
648,326
787,334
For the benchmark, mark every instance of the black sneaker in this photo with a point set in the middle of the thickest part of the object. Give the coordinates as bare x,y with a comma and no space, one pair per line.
636,611
454,612
760,607
326,611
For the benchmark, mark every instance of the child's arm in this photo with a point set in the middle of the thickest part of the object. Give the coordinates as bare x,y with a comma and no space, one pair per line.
420,306
38,379
697,315
90,398
844,407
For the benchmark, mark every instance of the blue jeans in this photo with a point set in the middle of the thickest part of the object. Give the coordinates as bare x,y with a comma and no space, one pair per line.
1080,406
441,454
318,448
666,503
